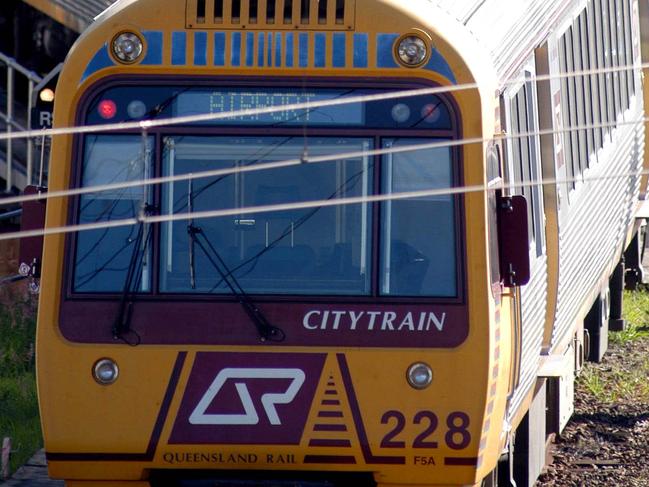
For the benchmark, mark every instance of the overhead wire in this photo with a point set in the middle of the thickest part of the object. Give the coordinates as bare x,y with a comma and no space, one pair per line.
207,117
143,125
446,143
465,189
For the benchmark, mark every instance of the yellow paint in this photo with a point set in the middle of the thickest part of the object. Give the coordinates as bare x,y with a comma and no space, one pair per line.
76,411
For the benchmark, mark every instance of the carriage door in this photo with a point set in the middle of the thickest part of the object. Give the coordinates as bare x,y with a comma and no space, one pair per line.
523,168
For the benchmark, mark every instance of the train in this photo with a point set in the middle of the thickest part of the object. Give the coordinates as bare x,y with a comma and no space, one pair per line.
335,242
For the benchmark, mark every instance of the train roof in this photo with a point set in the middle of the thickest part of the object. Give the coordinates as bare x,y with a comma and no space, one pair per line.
508,29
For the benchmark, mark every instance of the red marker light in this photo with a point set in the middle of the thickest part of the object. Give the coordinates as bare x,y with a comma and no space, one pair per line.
430,112
107,109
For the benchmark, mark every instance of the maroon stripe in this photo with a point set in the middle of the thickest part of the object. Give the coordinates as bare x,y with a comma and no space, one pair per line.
370,458
461,461
331,392
166,403
328,442
490,407
331,384
494,374
486,425
155,434
330,414
329,459
330,402
330,427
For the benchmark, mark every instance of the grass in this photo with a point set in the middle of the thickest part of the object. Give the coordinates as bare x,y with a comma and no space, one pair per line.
19,417
622,375
636,314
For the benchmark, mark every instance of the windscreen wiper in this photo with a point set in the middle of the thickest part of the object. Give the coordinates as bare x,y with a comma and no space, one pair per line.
267,332
122,324
192,237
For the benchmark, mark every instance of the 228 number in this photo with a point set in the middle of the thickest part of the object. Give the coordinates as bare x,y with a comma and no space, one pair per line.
457,436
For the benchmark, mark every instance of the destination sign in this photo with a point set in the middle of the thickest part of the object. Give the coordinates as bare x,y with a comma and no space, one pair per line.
198,102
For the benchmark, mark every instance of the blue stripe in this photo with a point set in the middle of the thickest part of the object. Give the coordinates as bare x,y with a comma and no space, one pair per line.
250,48
303,49
178,48
269,50
100,60
200,48
235,54
260,49
219,49
360,50
278,49
319,50
153,47
438,64
384,48
289,49
339,53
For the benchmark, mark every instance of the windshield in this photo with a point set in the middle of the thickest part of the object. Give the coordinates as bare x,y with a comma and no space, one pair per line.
301,251
403,247
102,256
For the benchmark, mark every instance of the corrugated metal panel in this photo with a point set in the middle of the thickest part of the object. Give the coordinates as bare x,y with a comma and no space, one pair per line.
86,9
74,14
597,229
460,9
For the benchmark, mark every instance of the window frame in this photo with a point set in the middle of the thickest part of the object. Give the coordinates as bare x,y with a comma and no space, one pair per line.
530,169
378,134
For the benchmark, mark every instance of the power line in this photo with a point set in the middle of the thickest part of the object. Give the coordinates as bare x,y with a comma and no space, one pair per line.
188,119
141,218
311,160
143,125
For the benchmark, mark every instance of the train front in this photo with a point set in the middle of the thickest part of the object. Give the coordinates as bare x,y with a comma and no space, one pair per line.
288,294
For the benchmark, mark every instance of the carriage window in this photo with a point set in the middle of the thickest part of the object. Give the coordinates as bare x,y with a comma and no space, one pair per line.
322,250
524,153
103,255
418,256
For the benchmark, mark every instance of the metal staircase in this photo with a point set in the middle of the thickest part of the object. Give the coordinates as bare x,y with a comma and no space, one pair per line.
16,102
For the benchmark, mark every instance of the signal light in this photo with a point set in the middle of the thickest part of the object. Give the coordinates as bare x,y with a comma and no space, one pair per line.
400,112
107,109
136,109
430,112
47,95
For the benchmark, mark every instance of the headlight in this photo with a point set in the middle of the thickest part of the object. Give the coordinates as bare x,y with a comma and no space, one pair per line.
419,375
105,371
412,51
127,47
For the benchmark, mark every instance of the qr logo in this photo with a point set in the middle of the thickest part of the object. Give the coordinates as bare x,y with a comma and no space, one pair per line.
200,416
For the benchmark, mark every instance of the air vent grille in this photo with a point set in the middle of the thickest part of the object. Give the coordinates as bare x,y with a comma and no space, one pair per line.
271,14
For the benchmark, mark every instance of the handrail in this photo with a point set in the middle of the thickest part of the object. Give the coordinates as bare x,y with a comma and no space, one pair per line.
7,116
9,61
